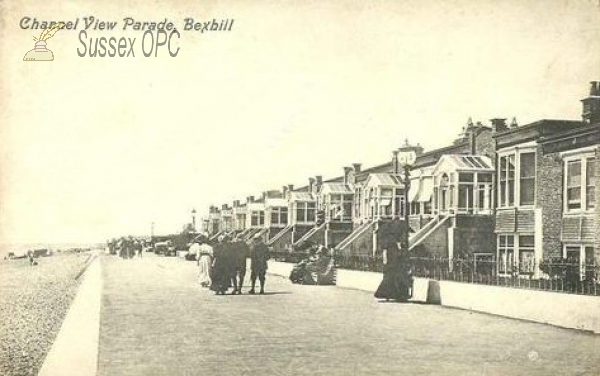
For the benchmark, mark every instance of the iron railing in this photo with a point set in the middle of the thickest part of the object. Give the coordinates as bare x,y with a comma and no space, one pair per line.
560,275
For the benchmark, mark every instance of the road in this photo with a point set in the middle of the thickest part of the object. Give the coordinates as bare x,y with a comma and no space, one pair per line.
156,320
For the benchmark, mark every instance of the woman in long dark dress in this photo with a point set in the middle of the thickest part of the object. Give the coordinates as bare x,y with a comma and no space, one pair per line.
221,267
395,272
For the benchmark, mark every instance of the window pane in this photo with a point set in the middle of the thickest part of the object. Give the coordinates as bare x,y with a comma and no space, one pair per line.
527,193
591,183
527,165
484,178
310,215
526,241
526,261
574,174
465,177
510,241
275,218
511,193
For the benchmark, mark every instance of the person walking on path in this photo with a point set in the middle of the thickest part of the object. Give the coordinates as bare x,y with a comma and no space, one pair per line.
395,275
205,259
259,255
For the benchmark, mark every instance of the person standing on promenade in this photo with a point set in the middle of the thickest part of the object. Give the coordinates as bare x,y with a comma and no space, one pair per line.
205,259
221,278
394,284
259,255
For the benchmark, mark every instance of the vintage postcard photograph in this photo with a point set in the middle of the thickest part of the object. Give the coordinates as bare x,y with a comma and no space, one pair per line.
333,187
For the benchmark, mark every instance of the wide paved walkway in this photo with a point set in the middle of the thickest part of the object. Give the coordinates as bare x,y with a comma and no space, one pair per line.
156,320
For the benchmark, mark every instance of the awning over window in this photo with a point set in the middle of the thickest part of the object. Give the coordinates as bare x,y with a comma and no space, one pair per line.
425,189
413,192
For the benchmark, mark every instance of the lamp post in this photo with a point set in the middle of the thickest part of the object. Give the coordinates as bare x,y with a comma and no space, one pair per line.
405,237
194,219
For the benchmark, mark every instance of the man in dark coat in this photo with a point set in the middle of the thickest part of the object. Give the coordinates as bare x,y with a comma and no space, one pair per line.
259,254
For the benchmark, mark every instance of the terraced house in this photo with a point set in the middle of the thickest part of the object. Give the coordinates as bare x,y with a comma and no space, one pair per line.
502,193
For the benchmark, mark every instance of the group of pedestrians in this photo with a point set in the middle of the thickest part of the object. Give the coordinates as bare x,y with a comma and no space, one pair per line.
127,247
222,264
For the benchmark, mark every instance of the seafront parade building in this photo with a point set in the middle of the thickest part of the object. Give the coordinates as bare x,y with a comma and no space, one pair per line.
505,194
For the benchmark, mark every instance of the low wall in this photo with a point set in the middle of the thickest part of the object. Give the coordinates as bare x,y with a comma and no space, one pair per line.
282,269
560,309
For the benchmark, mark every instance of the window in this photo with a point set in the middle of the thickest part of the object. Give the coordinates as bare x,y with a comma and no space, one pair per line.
581,256
427,207
526,254
306,211
257,218
506,253
574,185
521,164
590,183
279,216
507,180
580,184
527,178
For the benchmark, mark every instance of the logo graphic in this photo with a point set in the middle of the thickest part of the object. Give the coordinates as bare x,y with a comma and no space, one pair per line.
40,52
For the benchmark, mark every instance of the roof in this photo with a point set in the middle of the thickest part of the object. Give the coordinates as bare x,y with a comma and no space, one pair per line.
301,196
390,180
256,206
421,189
457,162
335,188
271,202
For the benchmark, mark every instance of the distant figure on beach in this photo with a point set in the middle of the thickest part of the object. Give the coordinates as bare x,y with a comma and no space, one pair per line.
259,255
30,256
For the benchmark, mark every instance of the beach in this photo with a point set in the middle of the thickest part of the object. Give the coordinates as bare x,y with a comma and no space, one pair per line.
33,303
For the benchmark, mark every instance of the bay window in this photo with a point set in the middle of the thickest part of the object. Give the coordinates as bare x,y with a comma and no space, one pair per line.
512,191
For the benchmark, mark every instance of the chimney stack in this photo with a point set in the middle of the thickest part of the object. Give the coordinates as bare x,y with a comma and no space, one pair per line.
236,203
319,181
395,164
591,104
356,167
595,88
250,199
498,125
346,174
290,187
311,184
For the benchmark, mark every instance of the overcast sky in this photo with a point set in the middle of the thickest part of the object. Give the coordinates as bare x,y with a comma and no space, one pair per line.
99,147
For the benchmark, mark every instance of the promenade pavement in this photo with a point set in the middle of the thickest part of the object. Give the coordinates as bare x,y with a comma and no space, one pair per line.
156,320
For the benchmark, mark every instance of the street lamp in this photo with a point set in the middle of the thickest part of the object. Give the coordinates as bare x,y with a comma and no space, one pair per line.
405,237
194,219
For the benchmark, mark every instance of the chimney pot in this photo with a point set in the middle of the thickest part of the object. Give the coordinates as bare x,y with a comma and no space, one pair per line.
595,88
319,180
498,125
356,167
395,164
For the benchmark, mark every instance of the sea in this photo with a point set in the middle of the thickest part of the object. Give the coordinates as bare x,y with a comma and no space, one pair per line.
20,249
